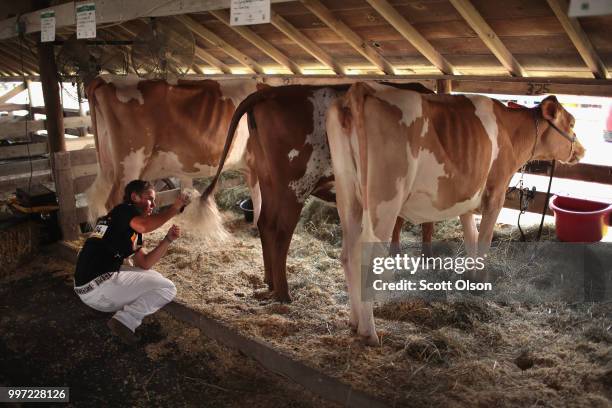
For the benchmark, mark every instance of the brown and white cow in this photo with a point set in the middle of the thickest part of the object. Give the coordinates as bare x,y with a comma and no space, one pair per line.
289,157
154,129
428,158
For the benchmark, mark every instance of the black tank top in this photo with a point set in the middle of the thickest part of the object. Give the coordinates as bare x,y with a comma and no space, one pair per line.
106,254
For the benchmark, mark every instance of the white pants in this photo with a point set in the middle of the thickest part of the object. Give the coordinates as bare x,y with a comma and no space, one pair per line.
133,293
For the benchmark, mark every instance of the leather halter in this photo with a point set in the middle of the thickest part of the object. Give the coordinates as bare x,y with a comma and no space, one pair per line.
571,139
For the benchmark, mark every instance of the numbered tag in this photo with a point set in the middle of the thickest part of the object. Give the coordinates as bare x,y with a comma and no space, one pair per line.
100,229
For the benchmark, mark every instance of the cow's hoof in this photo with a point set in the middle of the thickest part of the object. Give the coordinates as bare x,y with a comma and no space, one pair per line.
263,295
370,340
270,284
282,297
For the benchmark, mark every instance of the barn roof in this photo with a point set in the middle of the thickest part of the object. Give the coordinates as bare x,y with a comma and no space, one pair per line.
483,42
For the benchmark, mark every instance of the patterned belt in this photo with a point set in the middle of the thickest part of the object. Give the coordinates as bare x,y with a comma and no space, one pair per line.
81,290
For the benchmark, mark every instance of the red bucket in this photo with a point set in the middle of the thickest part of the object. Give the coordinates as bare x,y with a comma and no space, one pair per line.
578,220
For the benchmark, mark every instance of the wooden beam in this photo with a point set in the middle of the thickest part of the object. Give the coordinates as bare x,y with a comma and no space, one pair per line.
28,48
398,22
17,129
15,167
207,35
460,83
20,129
12,93
213,61
444,86
64,187
51,94
13,65
300,39
23,150
581,41
113,11
488,36
13,107
582,171
10,183
259,42
27,67
536,87
18,55
348,35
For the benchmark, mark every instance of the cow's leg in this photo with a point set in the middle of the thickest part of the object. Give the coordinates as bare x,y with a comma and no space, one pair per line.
374,233
250,174
427,229
350,220
288,216
255,196
395,237
470,233
267,228
279,217
490,211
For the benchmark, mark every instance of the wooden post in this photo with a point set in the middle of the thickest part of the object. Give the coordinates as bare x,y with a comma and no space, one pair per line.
444,86
53,106
64,189
82,130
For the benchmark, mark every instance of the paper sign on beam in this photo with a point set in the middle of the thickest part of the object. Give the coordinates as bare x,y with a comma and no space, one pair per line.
86,20
47,26
583,8
247,12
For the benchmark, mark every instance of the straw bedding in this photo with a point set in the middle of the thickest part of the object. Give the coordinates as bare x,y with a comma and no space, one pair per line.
464,353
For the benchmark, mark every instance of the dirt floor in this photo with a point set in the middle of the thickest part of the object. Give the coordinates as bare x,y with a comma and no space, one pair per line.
49,338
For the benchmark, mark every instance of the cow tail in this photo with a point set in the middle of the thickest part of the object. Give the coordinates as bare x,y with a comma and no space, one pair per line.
245,106
97,194
356,99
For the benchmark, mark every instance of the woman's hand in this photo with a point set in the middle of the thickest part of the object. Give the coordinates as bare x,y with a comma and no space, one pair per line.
181,201
173,233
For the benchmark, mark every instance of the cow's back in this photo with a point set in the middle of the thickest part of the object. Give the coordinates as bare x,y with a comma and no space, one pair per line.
153,129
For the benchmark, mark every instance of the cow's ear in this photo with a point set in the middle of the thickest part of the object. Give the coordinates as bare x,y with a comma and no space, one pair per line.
549,108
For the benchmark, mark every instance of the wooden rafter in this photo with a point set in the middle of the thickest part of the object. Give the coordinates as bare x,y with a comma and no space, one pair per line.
12,93
582,43
259,42
200,53
16,59
207,35
18,52
488,36
419,42
348,35
13,65
300,39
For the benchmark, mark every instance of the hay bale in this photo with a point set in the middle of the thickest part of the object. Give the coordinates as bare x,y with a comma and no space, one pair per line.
18,241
